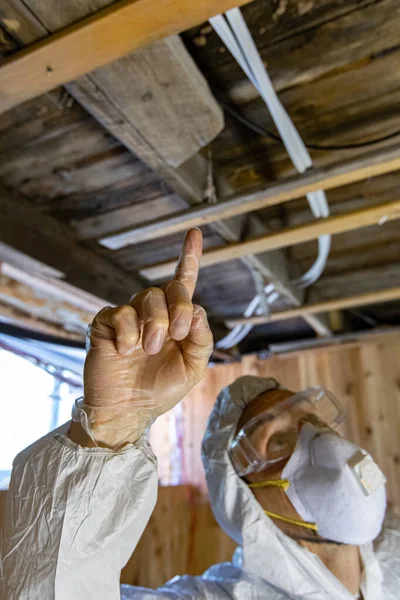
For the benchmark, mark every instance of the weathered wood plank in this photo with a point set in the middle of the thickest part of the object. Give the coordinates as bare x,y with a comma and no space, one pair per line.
295,58
341,107
161,97
23,298
98,225
359,281
189,179
53,288
294,235
21,261
370,165
157,92
270,24
96,41
21,319
43,238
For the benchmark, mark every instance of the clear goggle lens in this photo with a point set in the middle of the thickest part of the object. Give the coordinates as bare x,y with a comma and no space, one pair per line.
272,436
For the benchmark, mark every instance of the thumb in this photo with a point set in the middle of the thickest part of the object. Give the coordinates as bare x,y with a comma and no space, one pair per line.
198,345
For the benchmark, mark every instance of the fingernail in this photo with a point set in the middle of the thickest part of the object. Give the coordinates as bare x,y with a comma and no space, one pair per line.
180,329
155,342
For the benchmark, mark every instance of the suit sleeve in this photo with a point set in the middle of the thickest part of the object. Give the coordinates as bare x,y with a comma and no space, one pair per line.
73,518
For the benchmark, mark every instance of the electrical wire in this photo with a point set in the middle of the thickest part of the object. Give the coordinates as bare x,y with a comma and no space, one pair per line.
233,31
312,146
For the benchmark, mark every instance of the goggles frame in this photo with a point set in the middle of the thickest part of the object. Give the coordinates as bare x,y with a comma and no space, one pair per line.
246,459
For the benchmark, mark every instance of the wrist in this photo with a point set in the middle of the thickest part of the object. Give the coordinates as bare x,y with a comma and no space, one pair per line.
109,426
77,434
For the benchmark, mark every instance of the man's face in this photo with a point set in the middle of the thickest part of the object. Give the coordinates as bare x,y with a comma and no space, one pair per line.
285,430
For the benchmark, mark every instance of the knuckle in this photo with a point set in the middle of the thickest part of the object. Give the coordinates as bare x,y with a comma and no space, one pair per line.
153,291
121,314
124,311
101,313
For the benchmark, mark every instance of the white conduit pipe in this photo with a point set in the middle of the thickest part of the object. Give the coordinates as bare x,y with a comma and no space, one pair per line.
236,36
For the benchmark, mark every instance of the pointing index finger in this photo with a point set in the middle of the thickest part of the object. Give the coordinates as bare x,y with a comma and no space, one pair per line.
187,269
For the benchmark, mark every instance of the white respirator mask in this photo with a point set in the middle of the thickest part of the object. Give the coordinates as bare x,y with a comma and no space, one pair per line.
335,485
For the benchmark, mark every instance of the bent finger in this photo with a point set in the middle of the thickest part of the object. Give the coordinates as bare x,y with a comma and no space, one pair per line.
187,270
121,324
151,307
198,345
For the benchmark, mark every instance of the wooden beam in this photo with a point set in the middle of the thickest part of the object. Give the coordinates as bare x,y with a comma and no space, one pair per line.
22,297
21,319
24,227
161,96
294,235
372,164
54,288
320,307
96,41
97,93
27,263
93,227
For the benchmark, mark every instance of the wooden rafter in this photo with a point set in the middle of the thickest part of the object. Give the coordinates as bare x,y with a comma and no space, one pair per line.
321,307
22,319
52,288
294,235
372,164
96,93
21,297
45,239
98,40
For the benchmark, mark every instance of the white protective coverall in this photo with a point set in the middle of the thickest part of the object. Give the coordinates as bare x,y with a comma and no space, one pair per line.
74,516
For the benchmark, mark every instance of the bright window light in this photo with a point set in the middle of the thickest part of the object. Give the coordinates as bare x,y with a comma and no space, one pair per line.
33,402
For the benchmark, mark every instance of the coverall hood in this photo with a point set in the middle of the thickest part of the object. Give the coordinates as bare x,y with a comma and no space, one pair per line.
233,503
242,517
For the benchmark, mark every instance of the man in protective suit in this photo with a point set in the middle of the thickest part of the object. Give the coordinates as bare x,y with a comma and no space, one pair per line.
305,506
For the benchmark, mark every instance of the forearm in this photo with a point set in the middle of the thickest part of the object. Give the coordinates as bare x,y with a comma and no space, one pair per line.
73,517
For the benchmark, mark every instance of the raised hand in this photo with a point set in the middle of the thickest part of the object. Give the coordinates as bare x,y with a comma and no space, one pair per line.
144,357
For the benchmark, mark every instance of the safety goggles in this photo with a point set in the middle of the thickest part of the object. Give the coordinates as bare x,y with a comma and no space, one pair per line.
272,436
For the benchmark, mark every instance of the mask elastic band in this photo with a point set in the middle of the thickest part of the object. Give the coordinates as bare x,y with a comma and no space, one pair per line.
312,526
283,484
279,483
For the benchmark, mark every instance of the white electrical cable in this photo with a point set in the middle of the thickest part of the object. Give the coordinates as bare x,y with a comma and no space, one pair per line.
236,36
289,134
241,44
238,333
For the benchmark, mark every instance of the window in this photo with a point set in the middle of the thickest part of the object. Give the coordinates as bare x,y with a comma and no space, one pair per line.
34,400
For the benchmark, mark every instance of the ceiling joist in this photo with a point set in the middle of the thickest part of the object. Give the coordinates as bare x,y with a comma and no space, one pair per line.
96,41
359,300
100,94
372,164
294,235
45,239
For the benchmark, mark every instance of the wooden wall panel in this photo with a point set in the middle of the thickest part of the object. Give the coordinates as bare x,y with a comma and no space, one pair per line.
182,537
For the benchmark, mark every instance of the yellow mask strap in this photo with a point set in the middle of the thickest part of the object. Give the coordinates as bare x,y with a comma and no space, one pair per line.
279,483
312,526
283,484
